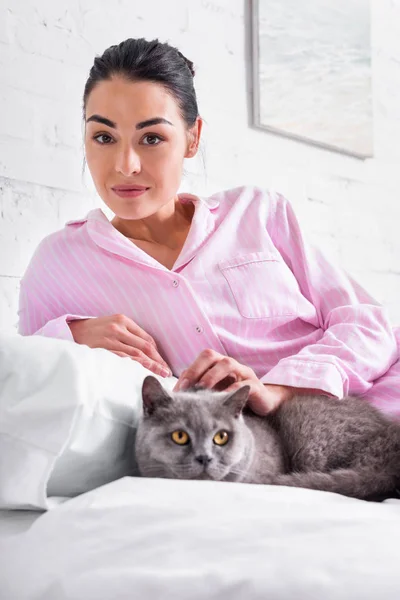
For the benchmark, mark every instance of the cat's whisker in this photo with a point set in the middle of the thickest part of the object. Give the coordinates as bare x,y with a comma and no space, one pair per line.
184,471
240,472
183,467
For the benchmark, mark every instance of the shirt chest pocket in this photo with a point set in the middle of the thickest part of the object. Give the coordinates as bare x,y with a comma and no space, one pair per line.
262,285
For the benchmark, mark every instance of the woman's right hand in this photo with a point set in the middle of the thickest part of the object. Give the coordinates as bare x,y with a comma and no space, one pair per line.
122,336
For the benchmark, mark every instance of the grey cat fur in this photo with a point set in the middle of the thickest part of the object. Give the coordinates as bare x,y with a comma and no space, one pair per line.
343,446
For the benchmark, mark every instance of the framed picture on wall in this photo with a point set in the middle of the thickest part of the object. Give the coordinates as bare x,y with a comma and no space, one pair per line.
312,72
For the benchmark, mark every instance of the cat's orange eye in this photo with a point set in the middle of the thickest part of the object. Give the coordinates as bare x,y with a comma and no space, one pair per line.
221,438
180,437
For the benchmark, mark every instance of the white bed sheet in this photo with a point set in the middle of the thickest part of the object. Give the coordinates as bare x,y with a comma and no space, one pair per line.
156,539
13,522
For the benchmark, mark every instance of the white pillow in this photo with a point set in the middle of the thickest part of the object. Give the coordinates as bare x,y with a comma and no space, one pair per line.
68,416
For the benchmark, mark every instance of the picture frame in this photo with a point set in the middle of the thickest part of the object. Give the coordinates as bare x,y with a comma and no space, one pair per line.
312,79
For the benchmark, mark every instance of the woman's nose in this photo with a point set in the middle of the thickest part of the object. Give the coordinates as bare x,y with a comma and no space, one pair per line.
128,162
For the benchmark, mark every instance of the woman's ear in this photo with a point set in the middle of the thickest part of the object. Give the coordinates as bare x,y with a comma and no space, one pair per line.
194,135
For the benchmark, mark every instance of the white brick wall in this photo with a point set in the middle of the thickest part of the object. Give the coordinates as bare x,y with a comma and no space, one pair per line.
349,207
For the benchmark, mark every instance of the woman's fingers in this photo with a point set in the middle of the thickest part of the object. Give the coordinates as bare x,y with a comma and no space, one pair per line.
210,369
192,375
124,337
218,373
137,331
139,356
122,354
145,346
225,383
122,328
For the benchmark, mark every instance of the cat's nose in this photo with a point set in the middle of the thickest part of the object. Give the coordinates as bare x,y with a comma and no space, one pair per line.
203,459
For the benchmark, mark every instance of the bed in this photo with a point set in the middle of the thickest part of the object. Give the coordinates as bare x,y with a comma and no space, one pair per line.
75,524
163,539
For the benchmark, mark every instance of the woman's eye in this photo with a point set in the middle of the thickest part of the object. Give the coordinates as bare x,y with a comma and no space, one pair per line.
103,138
152,140
180,437
221,438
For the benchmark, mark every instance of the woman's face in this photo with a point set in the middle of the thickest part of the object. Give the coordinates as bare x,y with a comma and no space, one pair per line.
135,136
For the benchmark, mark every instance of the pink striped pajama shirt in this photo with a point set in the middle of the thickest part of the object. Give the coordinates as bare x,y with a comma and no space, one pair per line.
245,284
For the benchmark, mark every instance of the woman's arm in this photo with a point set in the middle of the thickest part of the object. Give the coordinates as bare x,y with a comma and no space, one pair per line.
33,312
358,344
41,305
46,297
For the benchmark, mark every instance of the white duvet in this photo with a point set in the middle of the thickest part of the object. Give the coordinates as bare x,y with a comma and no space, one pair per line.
189,540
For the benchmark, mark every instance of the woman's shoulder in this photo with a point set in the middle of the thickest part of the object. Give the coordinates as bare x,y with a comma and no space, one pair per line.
246,194
245,200
57,245
72,228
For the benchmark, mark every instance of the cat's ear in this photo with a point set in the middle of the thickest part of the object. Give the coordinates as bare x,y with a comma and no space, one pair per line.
236,401
153,394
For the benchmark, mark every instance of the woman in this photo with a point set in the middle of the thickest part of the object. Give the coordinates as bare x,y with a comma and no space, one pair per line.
221,291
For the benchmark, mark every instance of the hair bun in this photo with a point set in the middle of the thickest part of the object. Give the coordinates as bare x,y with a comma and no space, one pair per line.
188,62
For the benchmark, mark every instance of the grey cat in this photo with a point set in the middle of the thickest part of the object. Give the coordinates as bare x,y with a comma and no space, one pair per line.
343,446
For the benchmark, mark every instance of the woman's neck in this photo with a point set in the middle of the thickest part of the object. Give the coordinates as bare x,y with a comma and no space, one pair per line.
165,228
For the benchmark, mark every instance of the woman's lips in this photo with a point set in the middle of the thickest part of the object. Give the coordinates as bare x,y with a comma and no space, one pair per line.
125,191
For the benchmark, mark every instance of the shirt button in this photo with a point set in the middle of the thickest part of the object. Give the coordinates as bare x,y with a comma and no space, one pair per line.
175,283
199,329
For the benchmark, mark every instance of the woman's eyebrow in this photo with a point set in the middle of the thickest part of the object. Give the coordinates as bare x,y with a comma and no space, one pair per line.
141,125
103,120
155,121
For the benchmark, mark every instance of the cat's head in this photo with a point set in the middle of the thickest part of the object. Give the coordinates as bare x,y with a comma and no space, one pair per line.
195,434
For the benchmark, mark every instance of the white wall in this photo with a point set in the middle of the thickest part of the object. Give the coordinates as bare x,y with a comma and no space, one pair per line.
351,208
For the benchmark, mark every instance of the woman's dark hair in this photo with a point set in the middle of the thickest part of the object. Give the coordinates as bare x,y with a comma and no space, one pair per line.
142,60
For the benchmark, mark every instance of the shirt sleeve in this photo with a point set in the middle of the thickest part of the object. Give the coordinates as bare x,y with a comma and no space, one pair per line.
55,328
40,311
358,344
30,313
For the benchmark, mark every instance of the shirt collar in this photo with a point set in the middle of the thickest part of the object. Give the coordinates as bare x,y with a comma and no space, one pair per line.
106,236
97,214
